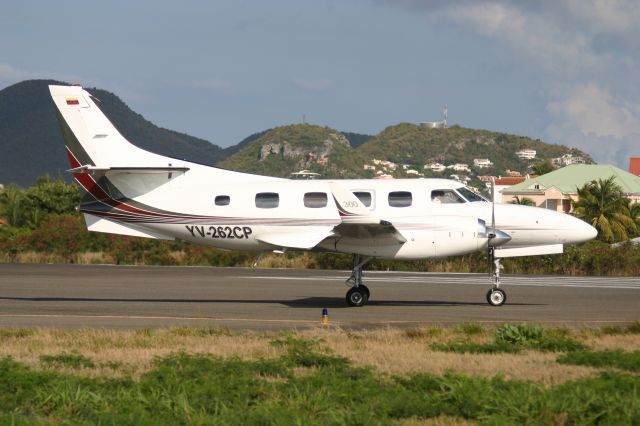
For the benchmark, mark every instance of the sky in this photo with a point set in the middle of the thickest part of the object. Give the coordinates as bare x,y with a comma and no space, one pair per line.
563,71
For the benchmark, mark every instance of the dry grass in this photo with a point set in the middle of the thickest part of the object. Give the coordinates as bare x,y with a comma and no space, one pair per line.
397,352
627,342
388,351
437,421
132,352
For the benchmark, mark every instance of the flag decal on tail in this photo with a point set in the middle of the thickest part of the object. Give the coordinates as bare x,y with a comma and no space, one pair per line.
73,101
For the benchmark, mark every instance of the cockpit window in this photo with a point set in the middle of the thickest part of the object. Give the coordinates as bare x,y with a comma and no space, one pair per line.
470,195
445,196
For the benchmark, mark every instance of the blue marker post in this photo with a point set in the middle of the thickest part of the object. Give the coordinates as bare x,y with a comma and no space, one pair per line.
325,316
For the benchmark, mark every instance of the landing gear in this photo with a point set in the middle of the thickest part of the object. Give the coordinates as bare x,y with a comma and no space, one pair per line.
495,296
358,294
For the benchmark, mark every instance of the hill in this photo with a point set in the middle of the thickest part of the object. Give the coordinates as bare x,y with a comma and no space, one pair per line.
287,149
32,145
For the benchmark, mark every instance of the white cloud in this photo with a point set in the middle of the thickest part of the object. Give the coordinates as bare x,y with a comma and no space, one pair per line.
593,110
608,16
593,119
587,55
537,35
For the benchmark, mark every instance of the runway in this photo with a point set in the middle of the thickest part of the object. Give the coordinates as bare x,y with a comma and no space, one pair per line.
73,296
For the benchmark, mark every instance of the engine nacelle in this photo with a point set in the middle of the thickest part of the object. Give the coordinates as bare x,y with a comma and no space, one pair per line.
426,237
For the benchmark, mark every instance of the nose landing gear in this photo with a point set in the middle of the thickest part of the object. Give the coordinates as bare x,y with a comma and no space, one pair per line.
495,296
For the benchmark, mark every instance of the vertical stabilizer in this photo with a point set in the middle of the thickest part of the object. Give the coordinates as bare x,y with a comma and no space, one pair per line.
90,137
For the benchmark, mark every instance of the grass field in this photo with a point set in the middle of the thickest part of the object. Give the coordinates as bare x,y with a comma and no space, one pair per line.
511,374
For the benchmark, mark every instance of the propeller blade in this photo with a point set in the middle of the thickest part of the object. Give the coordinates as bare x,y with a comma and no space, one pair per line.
493,207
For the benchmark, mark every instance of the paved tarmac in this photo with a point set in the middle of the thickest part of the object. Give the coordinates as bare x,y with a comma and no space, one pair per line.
123,297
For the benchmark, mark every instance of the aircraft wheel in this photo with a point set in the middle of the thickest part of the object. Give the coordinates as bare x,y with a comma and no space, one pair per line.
496,297
356,296
366,290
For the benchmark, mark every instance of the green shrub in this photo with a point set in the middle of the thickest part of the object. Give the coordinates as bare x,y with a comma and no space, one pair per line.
629,361
512,338
67,360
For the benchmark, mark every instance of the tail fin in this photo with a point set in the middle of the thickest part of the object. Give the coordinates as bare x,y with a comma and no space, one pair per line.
90,137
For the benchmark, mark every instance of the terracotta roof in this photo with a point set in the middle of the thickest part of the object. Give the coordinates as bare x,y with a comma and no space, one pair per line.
509,180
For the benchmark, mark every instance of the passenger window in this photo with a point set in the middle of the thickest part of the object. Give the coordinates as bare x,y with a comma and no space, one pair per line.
445,196
267,200
364,197
400,199
223,200
315,200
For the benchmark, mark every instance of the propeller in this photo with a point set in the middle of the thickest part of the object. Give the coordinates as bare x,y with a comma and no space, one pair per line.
496,238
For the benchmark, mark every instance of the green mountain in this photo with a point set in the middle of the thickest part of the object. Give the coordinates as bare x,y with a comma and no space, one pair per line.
31,144
287,149
417,145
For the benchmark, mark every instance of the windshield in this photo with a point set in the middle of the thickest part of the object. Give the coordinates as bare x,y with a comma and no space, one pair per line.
470,195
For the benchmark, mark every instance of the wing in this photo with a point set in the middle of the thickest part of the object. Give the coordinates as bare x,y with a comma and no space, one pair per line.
357,220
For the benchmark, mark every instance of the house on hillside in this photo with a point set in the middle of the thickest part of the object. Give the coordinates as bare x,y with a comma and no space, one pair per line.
557,189
459,167
482,163
435,167
526,154
567,160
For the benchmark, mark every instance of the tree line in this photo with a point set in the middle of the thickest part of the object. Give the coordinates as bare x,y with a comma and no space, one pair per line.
43,220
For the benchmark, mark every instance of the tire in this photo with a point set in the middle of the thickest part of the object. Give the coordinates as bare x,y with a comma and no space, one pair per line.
357,297
496,297
366,290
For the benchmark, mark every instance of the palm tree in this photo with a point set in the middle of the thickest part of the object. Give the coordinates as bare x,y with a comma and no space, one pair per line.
634,212
524,201
542,168
12,201
603,205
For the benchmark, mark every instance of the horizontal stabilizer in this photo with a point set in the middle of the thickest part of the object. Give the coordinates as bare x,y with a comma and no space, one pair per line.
98,224
304,240
529,251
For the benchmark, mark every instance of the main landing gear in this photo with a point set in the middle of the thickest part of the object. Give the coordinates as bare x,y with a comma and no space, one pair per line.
358,294
495,296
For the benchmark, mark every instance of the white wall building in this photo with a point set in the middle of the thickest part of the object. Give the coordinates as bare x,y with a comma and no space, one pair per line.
567,160
460,167
526,154
435,167
482,163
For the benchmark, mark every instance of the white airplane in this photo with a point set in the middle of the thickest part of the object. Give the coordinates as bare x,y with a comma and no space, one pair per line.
131,191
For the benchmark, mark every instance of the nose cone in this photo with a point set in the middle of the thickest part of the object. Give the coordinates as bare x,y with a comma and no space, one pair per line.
579,231
587,232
